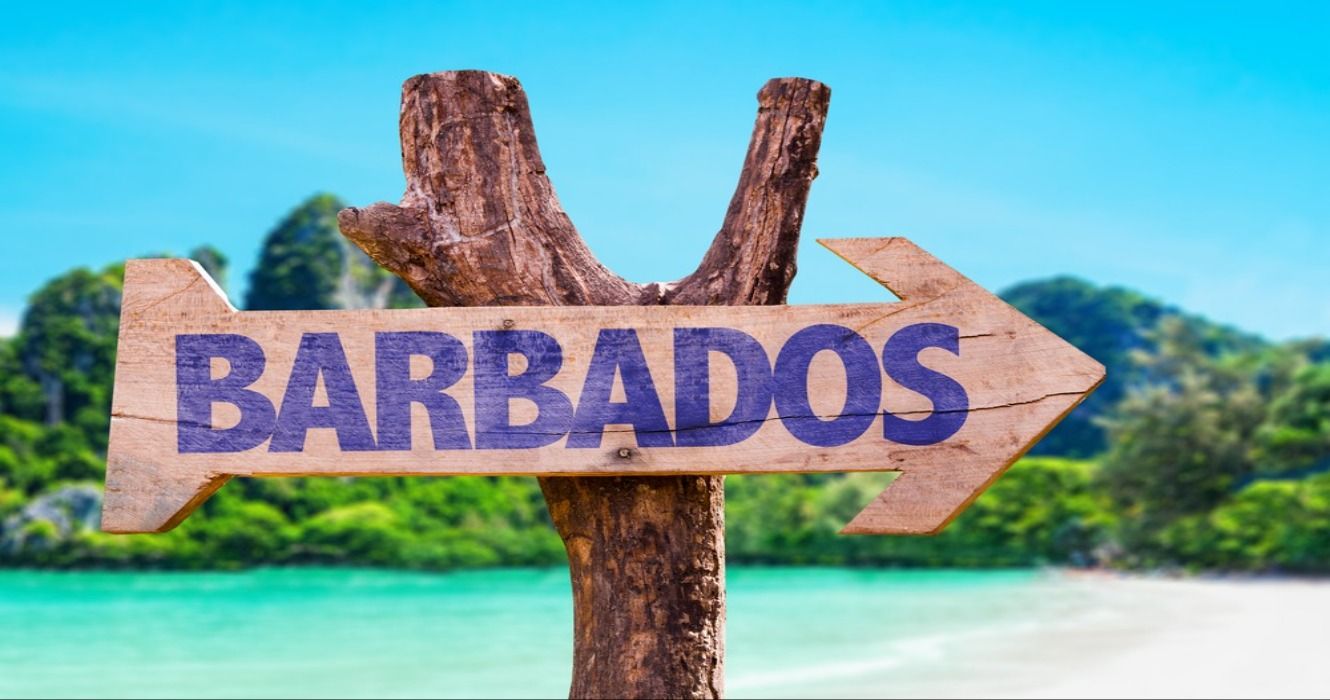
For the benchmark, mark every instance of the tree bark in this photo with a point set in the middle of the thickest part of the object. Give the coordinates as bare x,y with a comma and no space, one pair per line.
480,225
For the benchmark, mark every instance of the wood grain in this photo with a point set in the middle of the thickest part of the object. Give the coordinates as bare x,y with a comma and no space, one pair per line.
479,225
1019,378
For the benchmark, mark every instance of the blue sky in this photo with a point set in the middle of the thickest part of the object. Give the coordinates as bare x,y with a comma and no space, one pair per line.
1179,150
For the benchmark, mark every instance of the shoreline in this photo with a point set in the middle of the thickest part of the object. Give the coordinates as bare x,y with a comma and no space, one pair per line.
1098,635
1210,636
793,632
1156,636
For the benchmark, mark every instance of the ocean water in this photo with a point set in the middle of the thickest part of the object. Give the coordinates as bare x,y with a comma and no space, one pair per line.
367,633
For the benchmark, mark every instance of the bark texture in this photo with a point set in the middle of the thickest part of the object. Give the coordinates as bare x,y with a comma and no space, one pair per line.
480,225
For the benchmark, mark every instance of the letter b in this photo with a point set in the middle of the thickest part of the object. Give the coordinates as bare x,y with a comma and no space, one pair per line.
197,391
495,387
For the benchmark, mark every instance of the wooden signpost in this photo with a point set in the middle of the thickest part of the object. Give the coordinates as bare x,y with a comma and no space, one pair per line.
948,386
549,365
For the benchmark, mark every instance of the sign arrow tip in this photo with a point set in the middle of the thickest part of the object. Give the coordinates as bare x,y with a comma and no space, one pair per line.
1046,377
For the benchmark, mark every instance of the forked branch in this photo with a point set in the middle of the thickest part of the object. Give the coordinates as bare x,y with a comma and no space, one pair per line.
479,225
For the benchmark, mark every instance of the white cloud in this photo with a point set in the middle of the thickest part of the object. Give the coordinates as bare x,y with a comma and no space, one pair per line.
8,322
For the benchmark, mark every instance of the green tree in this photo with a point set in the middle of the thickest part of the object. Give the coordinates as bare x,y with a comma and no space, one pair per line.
238,532
69,451
306,263
1043,511
66,345
19,394
1180,445
21,465
366,533
1267,526
1296,432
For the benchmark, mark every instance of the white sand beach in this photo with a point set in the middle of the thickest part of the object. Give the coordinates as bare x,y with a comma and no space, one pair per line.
1197,638
1161,638
1071,635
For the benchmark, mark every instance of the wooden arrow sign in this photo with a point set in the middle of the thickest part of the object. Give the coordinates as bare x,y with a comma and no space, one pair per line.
948,386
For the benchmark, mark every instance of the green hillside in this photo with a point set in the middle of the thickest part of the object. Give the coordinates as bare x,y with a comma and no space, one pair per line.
1113,325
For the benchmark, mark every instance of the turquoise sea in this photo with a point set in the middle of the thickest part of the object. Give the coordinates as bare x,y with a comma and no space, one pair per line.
369,633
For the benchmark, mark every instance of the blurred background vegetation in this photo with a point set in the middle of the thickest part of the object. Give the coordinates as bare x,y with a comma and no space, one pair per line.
1207,449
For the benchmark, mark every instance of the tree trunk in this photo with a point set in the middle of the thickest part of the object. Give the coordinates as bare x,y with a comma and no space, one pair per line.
480,224
647,557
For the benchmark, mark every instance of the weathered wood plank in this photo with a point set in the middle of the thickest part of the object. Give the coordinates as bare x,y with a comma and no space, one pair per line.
949,385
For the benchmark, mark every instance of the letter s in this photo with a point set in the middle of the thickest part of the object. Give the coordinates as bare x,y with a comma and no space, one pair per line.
900,359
